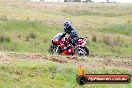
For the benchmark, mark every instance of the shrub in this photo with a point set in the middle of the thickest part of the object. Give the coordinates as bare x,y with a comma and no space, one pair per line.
19,36
27,38
3,18
94,39
32,35
112,41
107,40
28,19
4,38
119,40
129,22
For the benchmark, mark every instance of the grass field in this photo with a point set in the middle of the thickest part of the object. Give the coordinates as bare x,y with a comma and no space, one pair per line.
26,28
38,72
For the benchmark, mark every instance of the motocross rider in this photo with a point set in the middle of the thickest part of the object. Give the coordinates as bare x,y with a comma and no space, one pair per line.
71,31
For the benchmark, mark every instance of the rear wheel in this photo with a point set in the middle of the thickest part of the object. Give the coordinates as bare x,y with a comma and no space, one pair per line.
52,49
82,51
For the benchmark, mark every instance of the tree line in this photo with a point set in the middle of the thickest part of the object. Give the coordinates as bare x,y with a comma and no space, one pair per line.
77,0
81,1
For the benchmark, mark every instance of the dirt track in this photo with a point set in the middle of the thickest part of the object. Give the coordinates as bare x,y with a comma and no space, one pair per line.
92,62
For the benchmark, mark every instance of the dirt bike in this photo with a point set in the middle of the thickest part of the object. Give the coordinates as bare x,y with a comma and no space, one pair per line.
58,46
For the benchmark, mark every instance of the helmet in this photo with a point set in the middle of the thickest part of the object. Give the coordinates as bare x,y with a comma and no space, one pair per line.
67,26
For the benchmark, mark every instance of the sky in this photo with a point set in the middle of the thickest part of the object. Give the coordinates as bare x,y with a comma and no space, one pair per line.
123,1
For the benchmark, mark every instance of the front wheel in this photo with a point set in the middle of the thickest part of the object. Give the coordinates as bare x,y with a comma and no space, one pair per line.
55,49
58,50
82,51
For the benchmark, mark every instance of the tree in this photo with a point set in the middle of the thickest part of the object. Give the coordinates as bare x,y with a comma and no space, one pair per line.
67,0
107,1
87,1
76,0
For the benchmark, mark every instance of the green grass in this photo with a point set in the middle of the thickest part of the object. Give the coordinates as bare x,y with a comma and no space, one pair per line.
32,36
92,13
125,29
39,35
29,28
43,73
102,49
